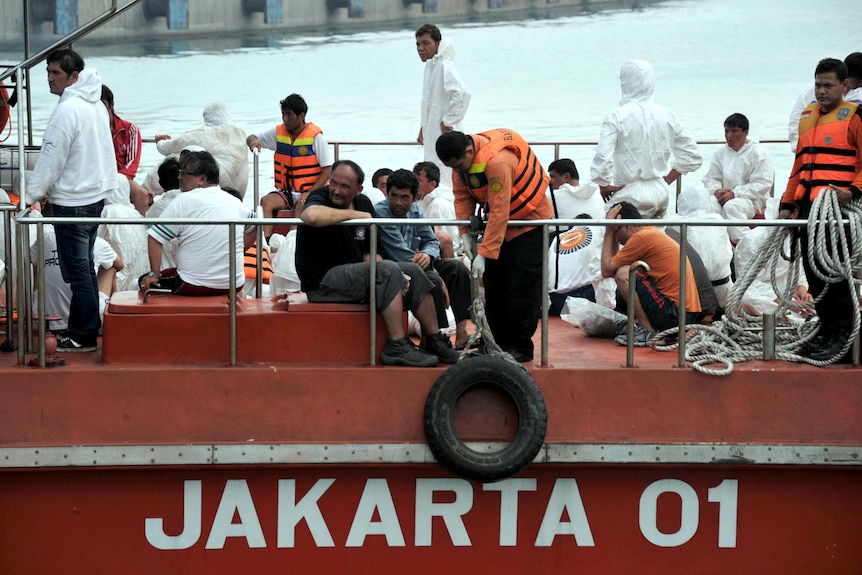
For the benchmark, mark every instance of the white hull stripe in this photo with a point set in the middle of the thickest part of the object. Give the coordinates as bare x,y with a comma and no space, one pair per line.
418,453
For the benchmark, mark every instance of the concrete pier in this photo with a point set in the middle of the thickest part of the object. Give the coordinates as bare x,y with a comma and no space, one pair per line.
185,19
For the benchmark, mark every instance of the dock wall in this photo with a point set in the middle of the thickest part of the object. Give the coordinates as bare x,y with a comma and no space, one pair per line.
153,20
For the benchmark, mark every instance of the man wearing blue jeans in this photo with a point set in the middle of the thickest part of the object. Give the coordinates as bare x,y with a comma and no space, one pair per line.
76,170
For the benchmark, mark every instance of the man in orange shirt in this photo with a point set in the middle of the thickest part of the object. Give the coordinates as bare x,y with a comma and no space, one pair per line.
499,173
658,291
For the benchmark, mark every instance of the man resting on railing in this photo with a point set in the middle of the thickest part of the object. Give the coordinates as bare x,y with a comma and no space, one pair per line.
333,263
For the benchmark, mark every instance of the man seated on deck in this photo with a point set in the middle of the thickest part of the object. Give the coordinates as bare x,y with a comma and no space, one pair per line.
303,160
438,203
419,245
203,262
658,290
333,263
740,176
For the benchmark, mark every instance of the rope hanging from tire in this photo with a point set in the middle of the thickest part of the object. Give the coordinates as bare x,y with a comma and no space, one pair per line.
494,369
738,336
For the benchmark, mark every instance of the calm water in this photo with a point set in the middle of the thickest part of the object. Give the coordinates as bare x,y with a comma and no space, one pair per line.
550,79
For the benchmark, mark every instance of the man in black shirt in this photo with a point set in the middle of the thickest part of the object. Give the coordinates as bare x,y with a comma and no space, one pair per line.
333,266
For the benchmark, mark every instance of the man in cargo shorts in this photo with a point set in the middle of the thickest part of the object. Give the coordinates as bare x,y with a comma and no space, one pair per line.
658,290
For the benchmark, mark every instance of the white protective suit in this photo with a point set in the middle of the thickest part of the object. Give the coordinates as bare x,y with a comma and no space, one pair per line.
640,143
129,241
221,138
711,242
760,298
440,205
807,97
580,261
76,165
749,173
445,99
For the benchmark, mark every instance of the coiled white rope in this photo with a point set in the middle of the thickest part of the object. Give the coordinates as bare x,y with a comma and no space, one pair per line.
738,336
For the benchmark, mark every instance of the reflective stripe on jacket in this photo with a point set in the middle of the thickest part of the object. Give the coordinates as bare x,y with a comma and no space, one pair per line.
250,264
296,164
825,150
529,183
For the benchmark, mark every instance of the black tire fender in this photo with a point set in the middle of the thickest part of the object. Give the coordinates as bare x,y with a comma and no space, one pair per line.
518,385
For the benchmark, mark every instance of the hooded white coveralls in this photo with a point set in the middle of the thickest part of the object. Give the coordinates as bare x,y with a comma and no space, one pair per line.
445,99
749,174
221,138
640,143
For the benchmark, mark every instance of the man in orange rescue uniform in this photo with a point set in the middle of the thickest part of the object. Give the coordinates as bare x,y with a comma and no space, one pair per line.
828,155
303,160
498,171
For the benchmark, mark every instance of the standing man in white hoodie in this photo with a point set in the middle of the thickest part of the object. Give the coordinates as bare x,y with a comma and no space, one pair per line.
643,148
445,97
76,170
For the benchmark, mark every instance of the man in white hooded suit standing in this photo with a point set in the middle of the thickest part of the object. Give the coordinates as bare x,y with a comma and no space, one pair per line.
445,97
643,148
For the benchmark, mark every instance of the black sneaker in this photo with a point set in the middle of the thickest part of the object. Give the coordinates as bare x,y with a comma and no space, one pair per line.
441,346
831,348
403,352
67,344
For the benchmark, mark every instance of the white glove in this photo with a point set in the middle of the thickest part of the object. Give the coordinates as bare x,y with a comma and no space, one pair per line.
478,267
468,245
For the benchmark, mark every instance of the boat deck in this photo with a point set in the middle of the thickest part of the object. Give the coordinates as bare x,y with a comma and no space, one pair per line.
591,397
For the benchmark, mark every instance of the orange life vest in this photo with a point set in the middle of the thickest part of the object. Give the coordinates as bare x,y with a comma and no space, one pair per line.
824,146
296,165
250,264
529,183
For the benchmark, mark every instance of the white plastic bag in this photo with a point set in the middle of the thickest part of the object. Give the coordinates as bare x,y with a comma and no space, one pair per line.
594,319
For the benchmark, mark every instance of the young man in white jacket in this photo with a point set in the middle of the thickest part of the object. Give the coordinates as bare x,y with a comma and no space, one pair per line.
740,176
76,170
445,97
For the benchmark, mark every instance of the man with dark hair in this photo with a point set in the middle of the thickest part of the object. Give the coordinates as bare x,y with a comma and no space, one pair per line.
574,262
203,262
445,97
438,203
303,160
377,191
499,173
127,149
76,170
658,290
740,176
332,263
418,244
828,157
853,93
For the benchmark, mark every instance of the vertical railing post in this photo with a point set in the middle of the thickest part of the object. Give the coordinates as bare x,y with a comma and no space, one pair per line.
232,291
545,243
630,308
683,268
372,294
